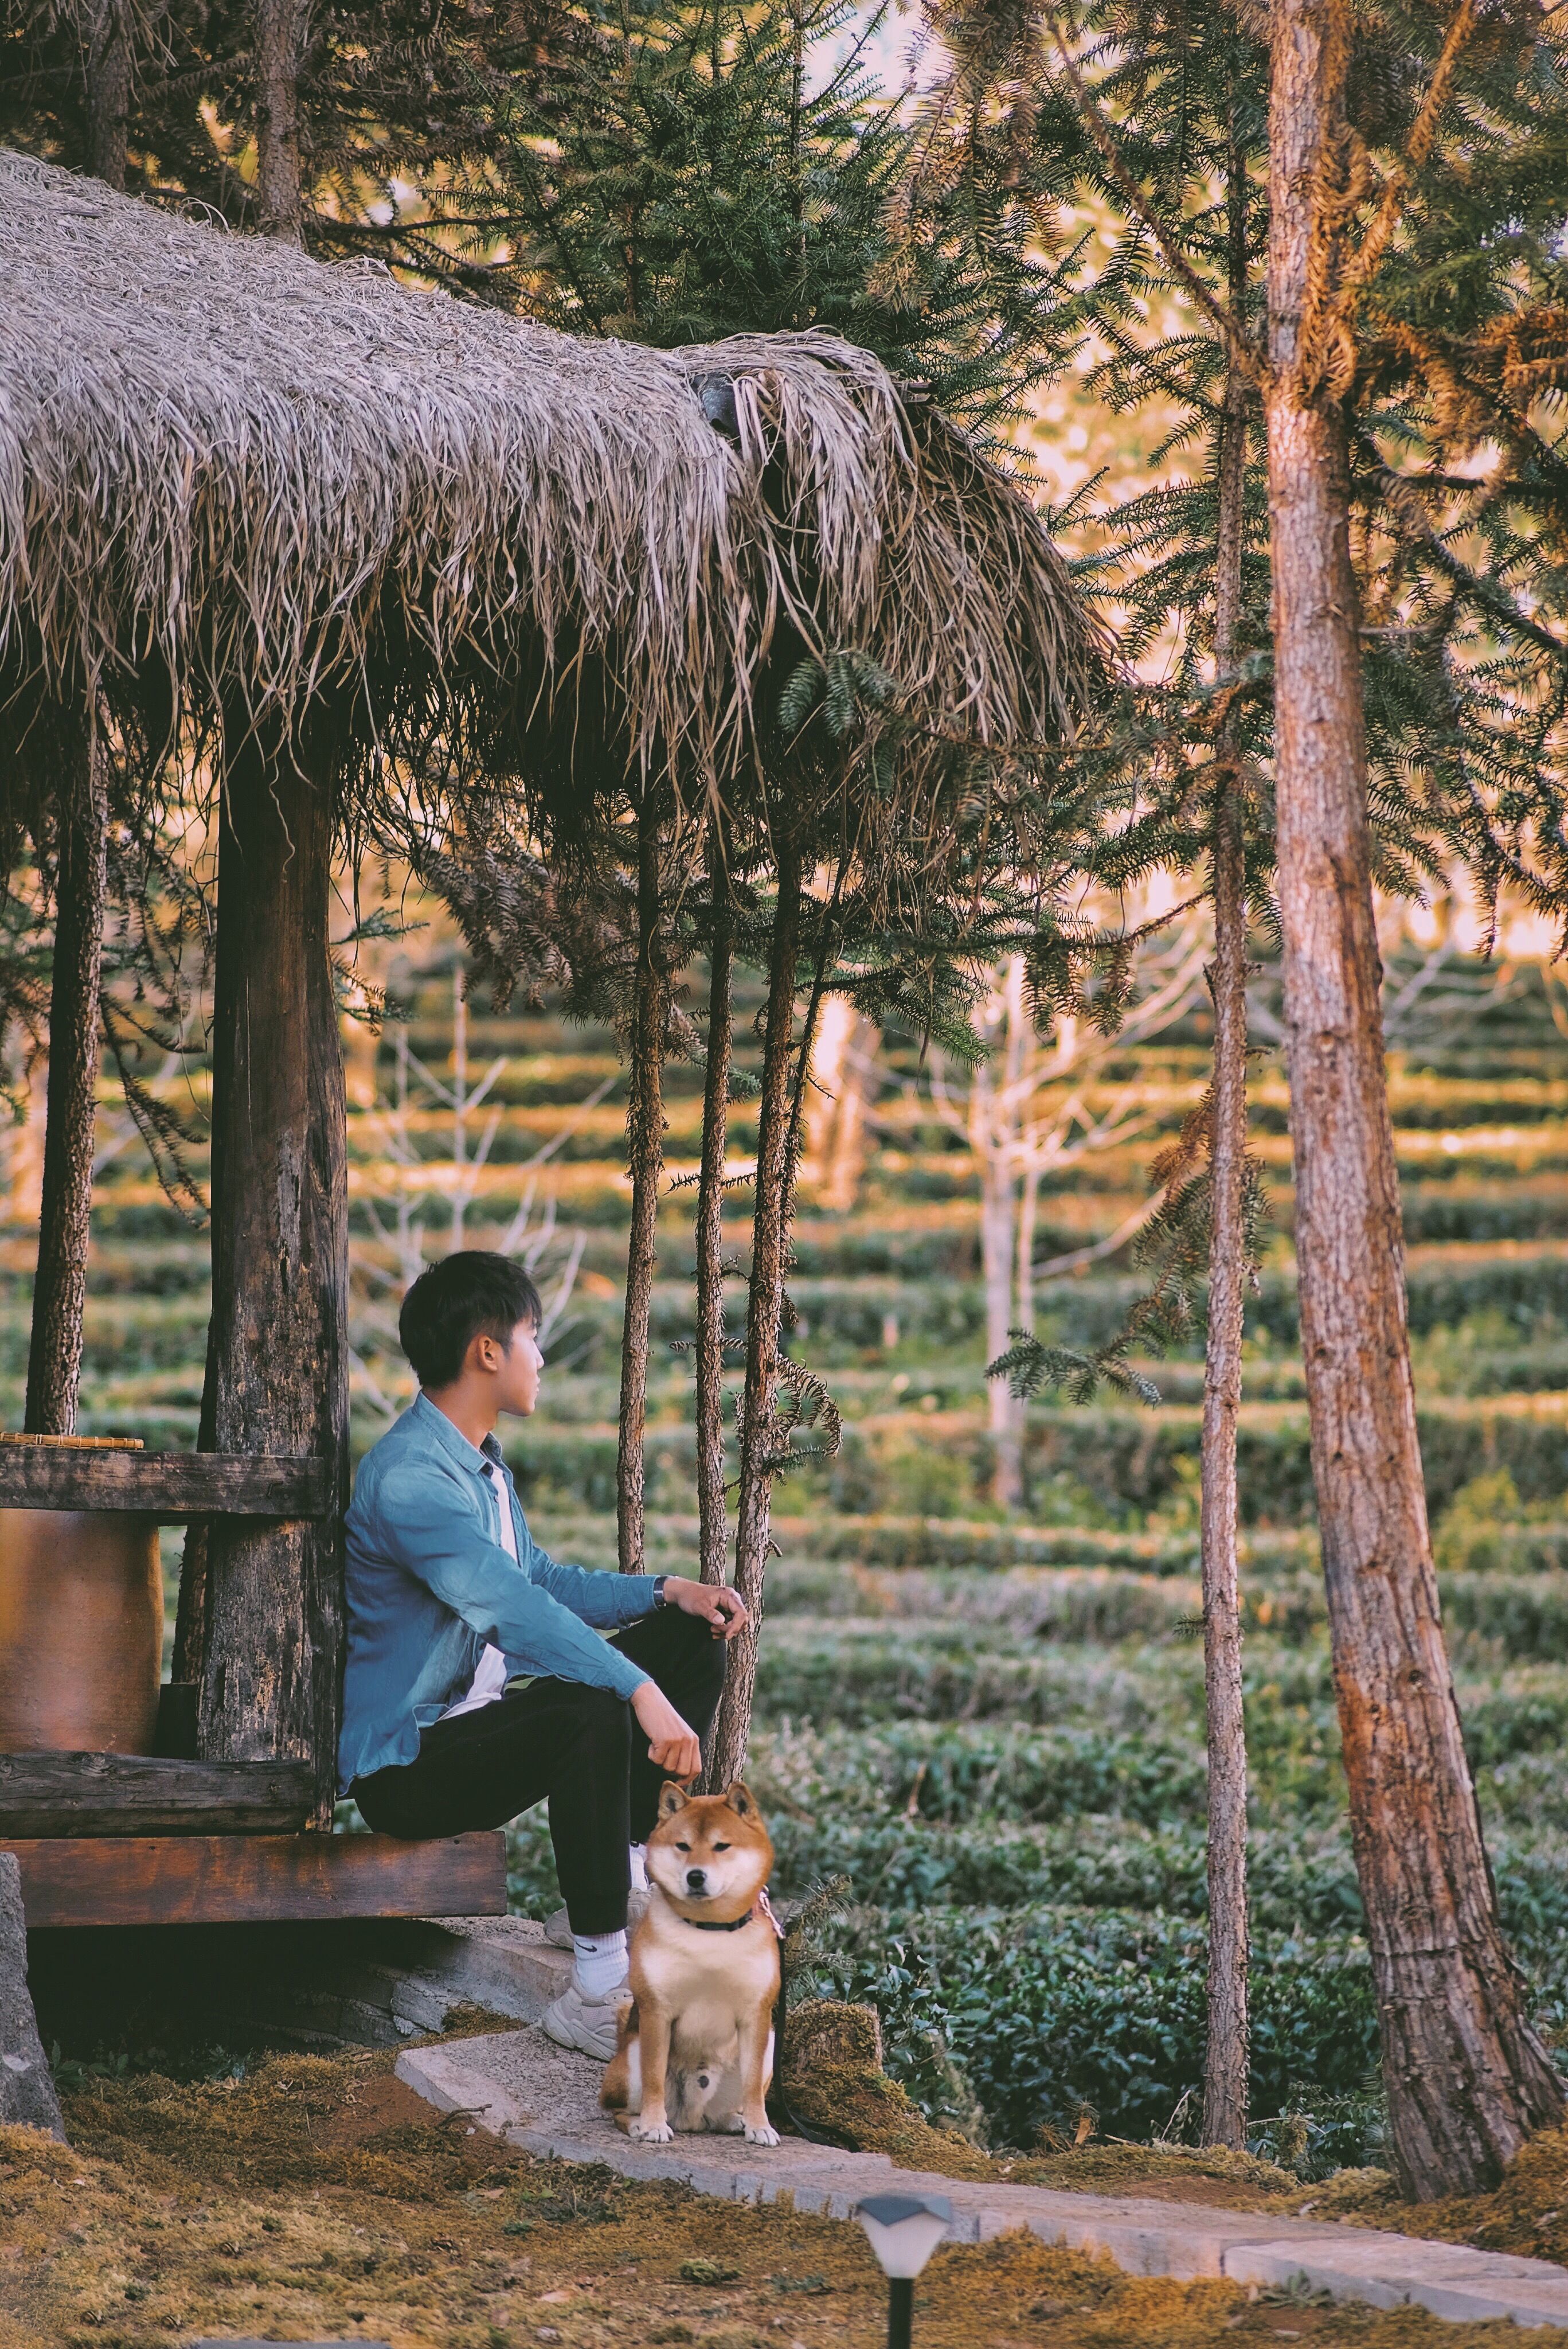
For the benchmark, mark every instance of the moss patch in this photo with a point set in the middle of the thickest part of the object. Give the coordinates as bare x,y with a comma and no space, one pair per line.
1527,2214
1212,2174
833,2079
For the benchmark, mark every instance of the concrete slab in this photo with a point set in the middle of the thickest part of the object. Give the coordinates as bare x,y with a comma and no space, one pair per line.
545,2099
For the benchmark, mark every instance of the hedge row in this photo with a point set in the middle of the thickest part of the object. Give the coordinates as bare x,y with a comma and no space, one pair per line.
1048,2010
1088,1463
823,1672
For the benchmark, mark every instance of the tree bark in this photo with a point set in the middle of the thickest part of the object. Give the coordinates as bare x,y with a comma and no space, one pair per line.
645,1159
714,1531
776,1126
280,42
1226,2054
1465,2076
60,1285
108,68
271,1668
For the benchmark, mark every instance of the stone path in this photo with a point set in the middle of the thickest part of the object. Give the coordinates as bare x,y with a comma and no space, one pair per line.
546,2100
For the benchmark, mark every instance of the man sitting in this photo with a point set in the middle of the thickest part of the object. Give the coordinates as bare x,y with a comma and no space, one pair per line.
451,1602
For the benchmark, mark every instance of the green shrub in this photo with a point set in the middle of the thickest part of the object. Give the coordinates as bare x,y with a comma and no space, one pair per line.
1047,2010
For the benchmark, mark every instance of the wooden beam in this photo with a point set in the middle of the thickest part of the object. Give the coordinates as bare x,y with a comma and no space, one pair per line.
278,1358
135,1795
247,1879
168,1485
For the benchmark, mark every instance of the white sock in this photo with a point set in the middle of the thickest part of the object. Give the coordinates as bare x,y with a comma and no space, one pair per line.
600,1963
638,1854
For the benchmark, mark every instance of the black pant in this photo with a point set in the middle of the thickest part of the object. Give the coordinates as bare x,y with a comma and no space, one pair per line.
579,1748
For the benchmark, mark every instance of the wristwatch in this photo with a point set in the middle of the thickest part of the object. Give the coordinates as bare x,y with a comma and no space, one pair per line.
659,1589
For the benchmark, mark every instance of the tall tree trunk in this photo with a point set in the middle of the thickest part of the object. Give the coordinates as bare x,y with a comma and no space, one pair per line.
645,1157
60,1285
280,36
1226,2054
271,1668
997,1116
107,72
714,1531
1466,2078
777,1123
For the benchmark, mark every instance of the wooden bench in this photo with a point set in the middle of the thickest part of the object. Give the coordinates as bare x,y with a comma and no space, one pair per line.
141,1839
215,1879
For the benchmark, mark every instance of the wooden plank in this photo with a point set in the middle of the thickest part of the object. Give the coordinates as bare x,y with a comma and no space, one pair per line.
137,1794
166,1484
250,1880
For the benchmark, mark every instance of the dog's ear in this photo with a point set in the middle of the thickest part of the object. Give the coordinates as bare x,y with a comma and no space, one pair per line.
741,1799
672,1798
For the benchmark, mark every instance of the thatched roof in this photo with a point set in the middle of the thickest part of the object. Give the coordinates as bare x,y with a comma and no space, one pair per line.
231,463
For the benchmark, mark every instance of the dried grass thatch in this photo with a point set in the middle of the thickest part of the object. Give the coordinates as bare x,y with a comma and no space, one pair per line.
237,468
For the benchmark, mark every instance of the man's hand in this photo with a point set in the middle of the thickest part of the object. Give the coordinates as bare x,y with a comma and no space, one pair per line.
673,1745
711,1602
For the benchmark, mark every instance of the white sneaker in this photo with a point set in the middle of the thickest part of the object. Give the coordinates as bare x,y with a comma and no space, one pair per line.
558,1929
587,2025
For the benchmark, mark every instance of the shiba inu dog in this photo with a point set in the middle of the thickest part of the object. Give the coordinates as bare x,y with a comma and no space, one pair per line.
695,2045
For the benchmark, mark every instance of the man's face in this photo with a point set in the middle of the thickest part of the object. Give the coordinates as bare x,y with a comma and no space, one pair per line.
517,1369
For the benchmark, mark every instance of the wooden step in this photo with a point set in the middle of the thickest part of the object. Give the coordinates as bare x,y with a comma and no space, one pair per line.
48,1795
217,1880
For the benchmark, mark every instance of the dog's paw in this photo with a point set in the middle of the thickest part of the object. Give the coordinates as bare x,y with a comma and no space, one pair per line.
761,2132
651,2132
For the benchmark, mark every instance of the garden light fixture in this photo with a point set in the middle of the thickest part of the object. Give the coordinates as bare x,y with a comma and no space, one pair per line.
903,2230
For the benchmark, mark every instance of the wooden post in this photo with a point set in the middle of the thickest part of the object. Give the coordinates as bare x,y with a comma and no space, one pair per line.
60,1287
270,1672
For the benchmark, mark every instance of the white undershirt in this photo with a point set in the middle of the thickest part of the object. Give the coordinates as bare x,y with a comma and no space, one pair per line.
490,1679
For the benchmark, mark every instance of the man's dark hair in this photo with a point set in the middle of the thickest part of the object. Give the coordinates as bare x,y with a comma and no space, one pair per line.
474,1294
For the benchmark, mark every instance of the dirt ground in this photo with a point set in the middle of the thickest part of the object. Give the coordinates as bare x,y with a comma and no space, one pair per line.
320,2196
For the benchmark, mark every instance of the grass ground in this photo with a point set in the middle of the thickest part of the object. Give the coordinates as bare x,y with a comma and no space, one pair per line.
319,2195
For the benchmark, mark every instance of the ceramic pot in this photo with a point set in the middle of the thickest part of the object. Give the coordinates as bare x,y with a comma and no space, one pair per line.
81,1632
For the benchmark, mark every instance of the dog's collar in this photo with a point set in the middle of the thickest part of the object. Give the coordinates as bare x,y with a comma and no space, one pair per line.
761,1906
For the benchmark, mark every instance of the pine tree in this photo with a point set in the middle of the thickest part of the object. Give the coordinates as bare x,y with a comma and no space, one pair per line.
1440,326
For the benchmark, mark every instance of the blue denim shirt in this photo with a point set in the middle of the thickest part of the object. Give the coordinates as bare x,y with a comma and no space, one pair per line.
429,1586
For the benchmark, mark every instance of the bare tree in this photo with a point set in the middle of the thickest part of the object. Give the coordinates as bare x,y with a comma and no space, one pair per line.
1026,1112
843,1070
